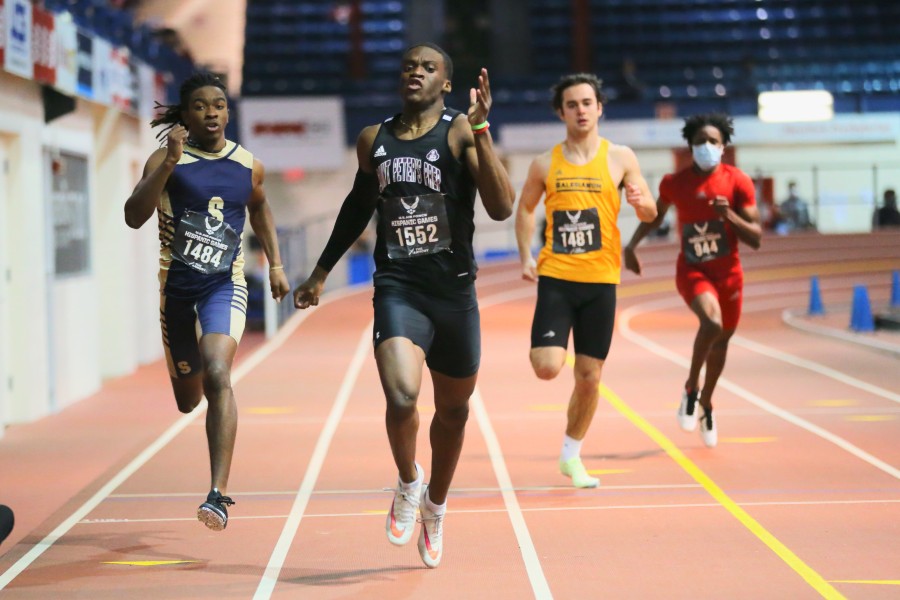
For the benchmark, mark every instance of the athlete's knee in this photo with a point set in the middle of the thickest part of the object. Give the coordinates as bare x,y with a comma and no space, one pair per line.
455,417
587,378
216,378
187,402
711,326
544,368
401,402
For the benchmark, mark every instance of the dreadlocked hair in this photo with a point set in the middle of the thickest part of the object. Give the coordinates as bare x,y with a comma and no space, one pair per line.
171,113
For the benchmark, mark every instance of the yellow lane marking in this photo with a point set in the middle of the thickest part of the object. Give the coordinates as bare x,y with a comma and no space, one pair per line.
805,571
833,403
548,407
868,581
149,563
747,440
271,410
375,512
608,471
793,561
871,418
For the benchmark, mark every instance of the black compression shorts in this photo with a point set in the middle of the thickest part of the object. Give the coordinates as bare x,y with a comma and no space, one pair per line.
447,328
587,309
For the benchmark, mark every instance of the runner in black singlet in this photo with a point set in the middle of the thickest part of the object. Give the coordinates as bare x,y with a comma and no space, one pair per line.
420,170
202,187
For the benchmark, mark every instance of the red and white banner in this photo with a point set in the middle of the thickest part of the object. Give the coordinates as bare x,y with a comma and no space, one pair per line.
44,46
121,92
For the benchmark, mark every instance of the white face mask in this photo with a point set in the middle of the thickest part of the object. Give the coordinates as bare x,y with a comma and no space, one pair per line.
707,156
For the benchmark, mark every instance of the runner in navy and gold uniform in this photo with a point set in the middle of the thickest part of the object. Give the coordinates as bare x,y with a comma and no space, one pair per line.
201,187
420,170
580,264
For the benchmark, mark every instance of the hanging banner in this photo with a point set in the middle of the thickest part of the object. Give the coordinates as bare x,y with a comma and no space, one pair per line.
43,46
85,81
66,53
120,93
17,28
2,32
103,71
146,92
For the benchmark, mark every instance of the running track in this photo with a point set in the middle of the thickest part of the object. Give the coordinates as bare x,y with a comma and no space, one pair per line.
800,500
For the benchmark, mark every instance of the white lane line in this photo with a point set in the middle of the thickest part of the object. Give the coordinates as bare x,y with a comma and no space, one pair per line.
629,334
791,318
141,459
276,561
454,492
482,511
816,368
529,555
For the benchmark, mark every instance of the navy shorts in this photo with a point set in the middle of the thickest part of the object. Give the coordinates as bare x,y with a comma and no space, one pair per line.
446,327
184,322
588,310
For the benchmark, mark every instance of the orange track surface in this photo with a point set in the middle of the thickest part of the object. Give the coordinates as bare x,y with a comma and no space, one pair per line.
801,499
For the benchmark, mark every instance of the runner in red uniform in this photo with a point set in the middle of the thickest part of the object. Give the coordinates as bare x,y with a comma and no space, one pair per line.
716,209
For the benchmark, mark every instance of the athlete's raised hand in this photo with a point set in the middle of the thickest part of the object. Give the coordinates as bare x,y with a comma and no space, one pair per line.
480,100
175,142
720,203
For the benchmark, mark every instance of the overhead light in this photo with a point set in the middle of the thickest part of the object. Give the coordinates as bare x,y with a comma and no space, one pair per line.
801,105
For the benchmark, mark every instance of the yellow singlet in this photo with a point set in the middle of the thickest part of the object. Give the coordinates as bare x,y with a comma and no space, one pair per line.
583,243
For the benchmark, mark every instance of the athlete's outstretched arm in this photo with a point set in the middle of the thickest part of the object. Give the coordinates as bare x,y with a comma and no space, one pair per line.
496,190
264,227
145,198
354,216
532,192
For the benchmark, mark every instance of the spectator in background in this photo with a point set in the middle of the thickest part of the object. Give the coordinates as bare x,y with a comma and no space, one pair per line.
887,215
632,87
793,212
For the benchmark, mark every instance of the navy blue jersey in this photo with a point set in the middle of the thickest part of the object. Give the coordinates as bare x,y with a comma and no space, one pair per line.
426,210
215,184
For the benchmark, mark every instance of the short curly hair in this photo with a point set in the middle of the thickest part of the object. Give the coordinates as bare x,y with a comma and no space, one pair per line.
720,121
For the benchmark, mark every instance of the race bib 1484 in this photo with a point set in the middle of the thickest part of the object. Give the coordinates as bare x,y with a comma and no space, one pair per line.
204,243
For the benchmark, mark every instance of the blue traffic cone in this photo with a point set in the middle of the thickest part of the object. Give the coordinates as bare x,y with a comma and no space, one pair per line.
895,290
815,297
861,313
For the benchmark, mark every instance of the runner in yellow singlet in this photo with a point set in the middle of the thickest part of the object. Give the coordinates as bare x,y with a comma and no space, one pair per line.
579,265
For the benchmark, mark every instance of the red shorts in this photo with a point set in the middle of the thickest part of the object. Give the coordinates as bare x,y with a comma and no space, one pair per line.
729,291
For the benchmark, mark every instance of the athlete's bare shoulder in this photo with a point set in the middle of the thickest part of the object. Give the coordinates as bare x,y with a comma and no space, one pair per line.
364,144
155,159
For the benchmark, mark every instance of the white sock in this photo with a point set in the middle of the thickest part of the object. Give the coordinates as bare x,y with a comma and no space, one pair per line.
411,486
437,509
571,448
